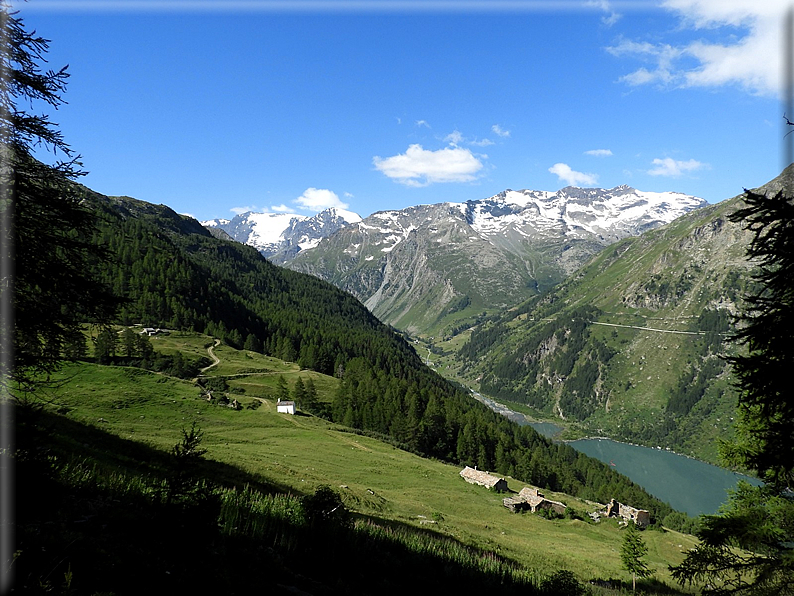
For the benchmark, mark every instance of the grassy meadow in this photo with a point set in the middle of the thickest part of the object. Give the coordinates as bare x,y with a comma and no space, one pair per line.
297,454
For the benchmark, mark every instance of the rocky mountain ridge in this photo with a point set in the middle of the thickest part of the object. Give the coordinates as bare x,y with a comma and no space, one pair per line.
632,345
431,267
281,236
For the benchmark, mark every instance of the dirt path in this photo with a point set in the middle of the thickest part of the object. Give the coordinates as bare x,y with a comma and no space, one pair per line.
215,360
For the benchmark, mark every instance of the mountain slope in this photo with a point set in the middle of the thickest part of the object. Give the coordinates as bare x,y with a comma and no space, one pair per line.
629,346
437,267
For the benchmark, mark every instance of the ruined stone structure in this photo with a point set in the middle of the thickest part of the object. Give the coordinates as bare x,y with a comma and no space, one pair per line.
474,476
641,517
531,499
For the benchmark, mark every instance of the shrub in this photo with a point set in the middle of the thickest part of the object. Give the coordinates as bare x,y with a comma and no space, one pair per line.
562,583
325,508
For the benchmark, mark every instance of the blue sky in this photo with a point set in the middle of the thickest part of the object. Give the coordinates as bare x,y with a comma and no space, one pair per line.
213,108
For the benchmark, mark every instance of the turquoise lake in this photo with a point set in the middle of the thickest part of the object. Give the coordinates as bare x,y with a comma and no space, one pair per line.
687,484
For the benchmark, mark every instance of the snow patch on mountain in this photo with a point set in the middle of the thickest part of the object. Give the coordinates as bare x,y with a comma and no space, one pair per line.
280,236
574,212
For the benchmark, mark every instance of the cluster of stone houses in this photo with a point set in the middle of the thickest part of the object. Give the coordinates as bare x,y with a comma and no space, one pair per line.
151,331
531,499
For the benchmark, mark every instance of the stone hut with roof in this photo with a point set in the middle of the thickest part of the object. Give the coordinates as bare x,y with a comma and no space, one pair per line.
531,499
475,476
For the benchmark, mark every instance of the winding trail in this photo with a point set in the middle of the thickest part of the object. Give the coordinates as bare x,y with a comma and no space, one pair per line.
215,360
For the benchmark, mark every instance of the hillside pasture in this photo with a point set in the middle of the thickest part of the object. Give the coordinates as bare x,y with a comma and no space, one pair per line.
374,478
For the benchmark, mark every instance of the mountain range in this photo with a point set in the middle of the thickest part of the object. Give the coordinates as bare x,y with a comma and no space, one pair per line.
281,236
175,274
607,310
433,268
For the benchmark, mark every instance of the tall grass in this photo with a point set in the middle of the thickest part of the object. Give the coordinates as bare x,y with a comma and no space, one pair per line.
279,522
426,544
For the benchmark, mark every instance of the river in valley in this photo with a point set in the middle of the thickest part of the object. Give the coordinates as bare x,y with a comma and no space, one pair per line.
687,484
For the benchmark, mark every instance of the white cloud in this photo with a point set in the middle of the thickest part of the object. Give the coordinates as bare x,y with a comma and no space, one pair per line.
500,131
750,60
281,208
670,167
572,177
422,123
421,167
318,199
454,138
604,5
662,55
599,152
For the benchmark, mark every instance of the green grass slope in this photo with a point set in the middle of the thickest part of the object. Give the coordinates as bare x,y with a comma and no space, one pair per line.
110,429
175,274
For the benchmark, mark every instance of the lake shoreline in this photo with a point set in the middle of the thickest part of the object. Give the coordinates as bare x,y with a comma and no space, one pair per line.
687,483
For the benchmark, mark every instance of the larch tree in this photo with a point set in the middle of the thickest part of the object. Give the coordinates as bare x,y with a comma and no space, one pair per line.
45,248
632,553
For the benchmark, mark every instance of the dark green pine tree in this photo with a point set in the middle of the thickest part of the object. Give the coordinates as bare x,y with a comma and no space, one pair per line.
310,402
144,348
45,230
129,343
299,393
282,390
105,346
632,552
766,329
252,343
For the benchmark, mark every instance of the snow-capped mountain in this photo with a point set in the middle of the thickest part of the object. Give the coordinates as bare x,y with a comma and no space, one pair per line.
280,236
578,212
417,266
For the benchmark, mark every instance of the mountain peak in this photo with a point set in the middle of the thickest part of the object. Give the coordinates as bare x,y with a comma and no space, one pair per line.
280,236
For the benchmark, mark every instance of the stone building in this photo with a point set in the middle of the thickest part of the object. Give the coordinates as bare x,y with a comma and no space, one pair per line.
531,499
641,517
475,476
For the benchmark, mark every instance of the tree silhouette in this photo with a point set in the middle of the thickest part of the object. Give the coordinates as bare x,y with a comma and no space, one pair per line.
748,548
45,231
766,407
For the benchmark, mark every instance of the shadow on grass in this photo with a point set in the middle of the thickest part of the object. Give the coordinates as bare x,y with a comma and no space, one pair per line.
101,528
73,439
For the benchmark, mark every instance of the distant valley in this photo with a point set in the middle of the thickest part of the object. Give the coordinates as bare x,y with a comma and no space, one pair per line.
630,346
